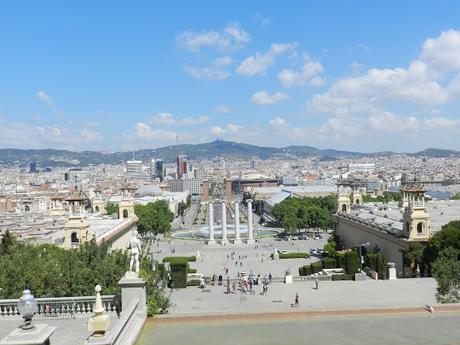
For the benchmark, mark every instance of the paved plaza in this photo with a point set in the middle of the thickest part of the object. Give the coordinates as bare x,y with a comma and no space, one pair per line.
213,259
339,295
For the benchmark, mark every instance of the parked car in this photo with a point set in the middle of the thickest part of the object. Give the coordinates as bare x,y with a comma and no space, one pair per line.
313,251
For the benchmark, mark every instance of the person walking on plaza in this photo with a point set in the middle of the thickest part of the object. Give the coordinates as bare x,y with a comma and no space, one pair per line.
296,303
270,278
228,285
316,283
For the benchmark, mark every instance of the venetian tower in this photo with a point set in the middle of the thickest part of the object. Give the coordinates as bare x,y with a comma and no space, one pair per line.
126,205
416,219
76,230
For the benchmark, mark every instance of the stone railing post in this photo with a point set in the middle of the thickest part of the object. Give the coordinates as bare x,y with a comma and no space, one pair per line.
133,287
39,335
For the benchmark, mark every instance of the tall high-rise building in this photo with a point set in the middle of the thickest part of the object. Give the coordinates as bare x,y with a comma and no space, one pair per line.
33,167
159,169
181,165
153,171
134,169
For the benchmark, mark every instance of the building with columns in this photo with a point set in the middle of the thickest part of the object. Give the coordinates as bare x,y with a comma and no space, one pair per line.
390,227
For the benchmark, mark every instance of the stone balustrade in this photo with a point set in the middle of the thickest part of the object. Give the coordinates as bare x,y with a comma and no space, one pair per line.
60,307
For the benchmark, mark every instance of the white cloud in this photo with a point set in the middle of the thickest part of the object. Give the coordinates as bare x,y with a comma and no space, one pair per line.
379,86
23,135
263,98
216,130
189,121
230,38
259,64
233,128
164,119
389,122
216,71
222,109
43,97
145,132
230,128
442,53
170,119
262,20
278,123
308,73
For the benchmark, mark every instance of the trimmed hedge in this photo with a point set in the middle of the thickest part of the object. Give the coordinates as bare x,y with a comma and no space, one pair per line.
378,263
192,270
304,270
179,258
329,263
340,261
179,269
336,277
351,262
294,256
316,267
193,282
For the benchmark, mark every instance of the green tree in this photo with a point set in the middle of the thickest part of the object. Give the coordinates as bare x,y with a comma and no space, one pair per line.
414,256
111,208
8,243
329,248
154,218
446,270
50,271
290,222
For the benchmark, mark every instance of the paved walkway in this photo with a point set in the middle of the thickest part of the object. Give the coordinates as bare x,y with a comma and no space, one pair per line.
214,258
68,331
339,295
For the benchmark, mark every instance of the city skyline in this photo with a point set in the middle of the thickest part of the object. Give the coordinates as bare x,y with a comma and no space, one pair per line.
89,76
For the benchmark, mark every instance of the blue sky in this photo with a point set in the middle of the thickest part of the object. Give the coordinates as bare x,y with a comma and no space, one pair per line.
126,75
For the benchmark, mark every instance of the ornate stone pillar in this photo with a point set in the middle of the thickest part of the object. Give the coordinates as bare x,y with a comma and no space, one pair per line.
211,224
250,230
224,223
237,223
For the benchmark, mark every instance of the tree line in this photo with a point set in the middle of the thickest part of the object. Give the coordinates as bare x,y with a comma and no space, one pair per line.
440,258
307,212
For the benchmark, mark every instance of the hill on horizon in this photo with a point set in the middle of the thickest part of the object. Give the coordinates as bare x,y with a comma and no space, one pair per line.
204,151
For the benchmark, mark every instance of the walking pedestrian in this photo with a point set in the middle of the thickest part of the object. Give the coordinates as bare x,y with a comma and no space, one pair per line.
316,283
296,303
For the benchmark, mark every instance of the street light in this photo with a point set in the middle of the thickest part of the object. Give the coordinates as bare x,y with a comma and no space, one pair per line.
361,259
27,307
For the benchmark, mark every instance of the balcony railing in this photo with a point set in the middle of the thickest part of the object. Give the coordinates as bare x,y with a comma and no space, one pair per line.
61,307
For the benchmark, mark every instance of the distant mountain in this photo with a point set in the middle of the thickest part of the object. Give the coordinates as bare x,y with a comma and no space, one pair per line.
431,152
206,151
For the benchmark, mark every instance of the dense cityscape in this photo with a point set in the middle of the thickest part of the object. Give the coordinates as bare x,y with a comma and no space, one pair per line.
237,173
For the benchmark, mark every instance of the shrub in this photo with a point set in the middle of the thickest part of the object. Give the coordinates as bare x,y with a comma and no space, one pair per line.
179,269
179,258
378,263
351,262
294,256
192,270
193,282
329,263
340,261
304,270
316,267
336,277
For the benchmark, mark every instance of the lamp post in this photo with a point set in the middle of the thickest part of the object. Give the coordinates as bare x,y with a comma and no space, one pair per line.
367,244
27,307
